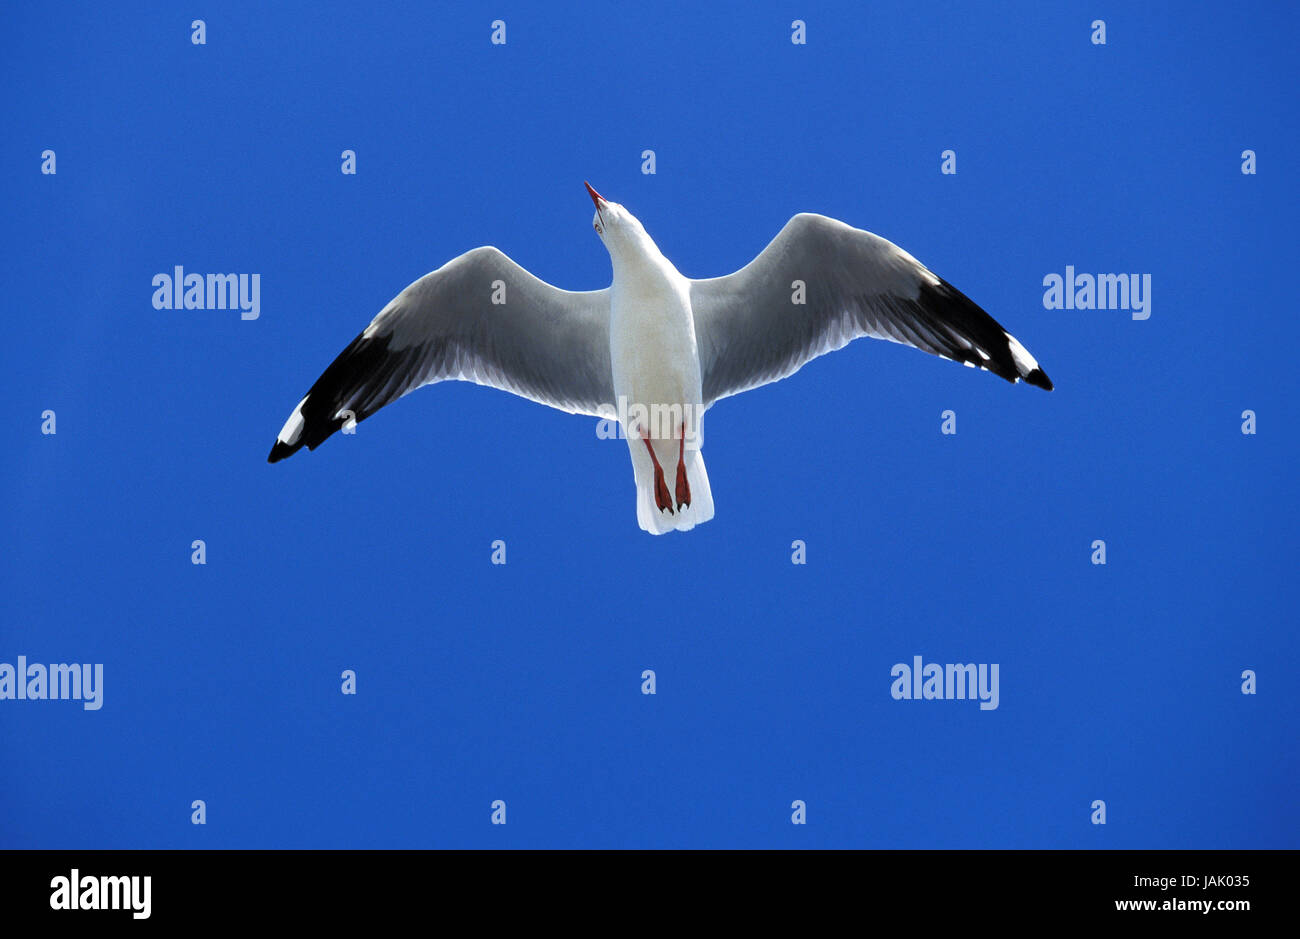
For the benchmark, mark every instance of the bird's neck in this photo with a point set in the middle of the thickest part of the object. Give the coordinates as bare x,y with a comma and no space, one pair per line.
639,259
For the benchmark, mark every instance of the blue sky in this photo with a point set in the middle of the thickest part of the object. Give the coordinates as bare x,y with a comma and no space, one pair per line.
522,682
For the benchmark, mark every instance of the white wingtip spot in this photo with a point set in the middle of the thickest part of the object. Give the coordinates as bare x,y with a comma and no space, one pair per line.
292,428
1025,362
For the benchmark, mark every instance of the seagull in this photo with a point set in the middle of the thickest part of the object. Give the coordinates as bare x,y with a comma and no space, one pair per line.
654,350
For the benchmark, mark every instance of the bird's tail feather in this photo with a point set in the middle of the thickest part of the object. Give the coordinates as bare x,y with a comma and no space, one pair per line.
659,522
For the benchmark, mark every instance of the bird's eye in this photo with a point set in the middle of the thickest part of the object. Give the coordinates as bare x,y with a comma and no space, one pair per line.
596,226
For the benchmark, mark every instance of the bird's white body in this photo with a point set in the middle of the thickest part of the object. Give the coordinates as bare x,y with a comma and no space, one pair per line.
656,378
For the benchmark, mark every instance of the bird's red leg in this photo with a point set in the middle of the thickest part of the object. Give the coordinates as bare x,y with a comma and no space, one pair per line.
662,499
683,487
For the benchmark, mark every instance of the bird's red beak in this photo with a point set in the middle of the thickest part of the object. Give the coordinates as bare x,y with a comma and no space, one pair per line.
595,196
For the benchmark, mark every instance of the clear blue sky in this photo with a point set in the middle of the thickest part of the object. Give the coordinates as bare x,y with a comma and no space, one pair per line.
522,683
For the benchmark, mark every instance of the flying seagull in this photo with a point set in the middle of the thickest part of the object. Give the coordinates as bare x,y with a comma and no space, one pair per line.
654,350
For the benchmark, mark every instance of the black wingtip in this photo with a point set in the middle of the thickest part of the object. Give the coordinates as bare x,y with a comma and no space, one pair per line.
363,378
280,451
1039,378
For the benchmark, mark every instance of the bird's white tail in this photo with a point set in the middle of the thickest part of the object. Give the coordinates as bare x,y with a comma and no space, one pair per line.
684,518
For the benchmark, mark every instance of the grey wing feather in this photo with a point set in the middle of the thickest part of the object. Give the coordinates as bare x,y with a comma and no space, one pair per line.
538,341
751,331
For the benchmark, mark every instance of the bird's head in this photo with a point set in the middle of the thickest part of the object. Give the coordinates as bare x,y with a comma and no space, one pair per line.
617,227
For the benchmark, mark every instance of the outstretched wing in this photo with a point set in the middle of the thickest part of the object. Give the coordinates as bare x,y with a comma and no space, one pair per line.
751,331
479,318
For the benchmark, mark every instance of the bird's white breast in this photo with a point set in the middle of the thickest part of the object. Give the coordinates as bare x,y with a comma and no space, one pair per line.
652,337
